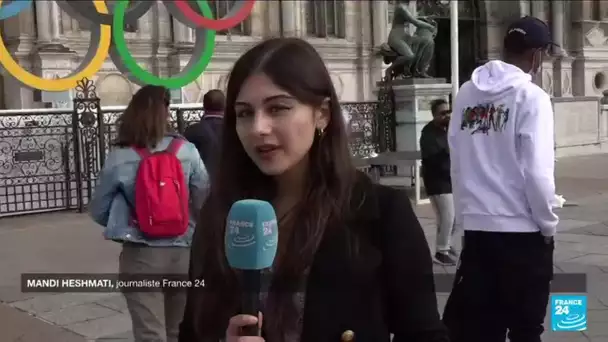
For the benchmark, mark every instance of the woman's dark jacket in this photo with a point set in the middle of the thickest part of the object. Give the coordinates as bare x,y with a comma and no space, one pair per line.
388,287
435,160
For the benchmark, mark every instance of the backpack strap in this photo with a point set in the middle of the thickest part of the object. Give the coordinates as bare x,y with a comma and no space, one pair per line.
143,152
174,145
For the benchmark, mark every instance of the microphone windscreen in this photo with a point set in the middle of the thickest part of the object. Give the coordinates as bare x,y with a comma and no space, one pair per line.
252,235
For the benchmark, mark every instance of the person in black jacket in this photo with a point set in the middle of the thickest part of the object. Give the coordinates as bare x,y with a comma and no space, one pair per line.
206,134
352,263
436,178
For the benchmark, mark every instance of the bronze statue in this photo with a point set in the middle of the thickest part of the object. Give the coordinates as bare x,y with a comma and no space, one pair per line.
408,55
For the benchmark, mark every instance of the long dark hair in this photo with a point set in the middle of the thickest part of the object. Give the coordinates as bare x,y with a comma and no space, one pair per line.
296,67
145,121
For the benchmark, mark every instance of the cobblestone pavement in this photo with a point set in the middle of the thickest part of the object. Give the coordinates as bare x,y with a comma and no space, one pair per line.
70,242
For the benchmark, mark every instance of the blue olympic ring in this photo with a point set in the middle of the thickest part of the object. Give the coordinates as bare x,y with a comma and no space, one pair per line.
14,8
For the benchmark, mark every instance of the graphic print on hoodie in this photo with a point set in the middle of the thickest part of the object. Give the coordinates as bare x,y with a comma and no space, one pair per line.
502,152
483,117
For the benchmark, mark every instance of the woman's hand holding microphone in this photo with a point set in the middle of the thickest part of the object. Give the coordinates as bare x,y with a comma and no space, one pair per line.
237,323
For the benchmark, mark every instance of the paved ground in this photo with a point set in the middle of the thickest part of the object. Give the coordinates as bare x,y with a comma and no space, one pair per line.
68,242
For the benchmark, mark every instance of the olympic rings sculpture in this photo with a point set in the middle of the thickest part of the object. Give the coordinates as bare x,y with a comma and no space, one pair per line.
109,27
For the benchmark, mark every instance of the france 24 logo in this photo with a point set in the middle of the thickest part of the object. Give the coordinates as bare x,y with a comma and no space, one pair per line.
569,312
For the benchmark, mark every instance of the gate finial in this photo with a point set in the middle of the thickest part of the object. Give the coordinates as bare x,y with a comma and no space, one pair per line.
85,89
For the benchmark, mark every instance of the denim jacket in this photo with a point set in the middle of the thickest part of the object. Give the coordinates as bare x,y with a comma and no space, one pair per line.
114,197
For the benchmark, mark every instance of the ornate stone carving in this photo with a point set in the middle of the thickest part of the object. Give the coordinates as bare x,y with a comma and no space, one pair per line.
338,83
566,83
222,82
547,82
596,37
114,90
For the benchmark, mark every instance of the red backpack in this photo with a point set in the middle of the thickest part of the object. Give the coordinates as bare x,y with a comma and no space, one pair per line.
161,193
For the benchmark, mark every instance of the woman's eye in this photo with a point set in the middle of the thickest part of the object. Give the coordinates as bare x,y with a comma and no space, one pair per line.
244,113
278,109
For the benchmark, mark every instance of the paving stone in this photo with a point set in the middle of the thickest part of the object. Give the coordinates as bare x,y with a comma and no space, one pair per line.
574,267
57,302
596,229
116,303
19,326
569,338
77,313
10,294
597,329
430,222
566,255
566,225
597,315
592,259
593,303
438,268
102,327
562,238
122,337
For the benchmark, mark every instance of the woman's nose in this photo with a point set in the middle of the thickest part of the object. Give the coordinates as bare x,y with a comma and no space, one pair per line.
262,124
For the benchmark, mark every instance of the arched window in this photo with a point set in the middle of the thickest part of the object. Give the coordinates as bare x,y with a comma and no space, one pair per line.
326,18
221,8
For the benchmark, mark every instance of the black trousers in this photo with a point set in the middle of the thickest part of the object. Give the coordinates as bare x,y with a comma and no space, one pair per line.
502,285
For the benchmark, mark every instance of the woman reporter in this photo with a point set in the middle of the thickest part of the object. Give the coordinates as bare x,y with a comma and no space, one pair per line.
352,259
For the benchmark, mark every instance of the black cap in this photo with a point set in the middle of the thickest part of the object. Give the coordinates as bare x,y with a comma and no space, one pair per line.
528,33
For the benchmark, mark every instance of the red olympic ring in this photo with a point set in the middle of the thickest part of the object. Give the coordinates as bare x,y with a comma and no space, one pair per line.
216,24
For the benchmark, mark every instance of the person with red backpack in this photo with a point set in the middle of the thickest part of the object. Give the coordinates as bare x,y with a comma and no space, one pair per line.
148,195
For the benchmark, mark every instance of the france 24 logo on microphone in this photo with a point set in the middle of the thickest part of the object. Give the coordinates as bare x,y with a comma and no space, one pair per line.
569,312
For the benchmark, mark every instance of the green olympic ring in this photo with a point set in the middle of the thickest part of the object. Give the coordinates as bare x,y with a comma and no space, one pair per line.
204,45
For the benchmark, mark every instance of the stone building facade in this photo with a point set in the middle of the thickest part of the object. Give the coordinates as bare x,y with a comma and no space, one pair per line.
49,42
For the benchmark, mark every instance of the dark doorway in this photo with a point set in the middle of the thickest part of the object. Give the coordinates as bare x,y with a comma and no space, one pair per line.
469,33
468,53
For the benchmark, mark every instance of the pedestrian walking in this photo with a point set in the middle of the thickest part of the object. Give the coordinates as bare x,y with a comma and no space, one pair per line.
206,134
352,263
502,154
437,179
150,184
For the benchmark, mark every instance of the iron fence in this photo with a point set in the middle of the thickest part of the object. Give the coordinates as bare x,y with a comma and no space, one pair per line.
50,158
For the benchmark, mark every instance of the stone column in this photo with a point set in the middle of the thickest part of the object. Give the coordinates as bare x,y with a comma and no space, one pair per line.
538,9
557,24
380,25
379,21
603,6
524,8
43,22
272,16
351,21
55,21
180,32
562,66
165,33
289,9
256,19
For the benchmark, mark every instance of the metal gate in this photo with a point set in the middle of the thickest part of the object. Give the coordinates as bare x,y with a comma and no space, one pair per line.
50,158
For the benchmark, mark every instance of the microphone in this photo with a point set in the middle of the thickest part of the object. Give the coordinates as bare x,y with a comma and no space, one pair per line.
251,241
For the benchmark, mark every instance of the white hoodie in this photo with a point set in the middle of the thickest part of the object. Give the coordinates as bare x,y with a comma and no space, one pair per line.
501,147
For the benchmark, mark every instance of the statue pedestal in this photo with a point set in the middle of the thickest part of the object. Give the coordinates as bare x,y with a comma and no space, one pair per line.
412,112
413,108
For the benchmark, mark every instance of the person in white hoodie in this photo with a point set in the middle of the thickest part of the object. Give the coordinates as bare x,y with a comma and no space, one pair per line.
502,169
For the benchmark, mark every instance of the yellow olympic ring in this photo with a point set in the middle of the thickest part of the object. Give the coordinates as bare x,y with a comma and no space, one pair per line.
62,84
